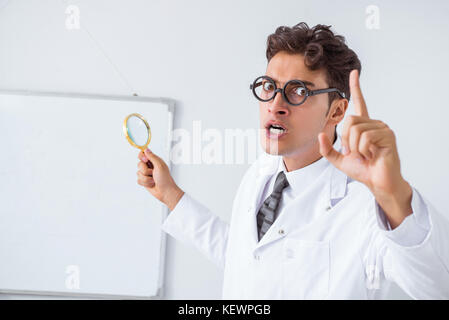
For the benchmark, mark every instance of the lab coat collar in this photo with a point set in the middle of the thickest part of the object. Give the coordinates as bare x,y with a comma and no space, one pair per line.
338,180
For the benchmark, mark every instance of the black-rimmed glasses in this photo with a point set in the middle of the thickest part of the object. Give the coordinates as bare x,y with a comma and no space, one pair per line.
295,92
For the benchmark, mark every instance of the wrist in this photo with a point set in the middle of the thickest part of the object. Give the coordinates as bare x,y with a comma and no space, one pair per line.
172,197
397,203
401,193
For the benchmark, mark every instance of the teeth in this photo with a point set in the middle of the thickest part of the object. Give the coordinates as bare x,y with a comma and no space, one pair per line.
276,130
276,126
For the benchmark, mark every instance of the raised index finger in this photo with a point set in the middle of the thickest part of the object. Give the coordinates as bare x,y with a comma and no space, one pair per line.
356,94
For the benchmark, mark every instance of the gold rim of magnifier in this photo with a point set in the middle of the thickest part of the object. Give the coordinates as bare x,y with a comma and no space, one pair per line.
125,131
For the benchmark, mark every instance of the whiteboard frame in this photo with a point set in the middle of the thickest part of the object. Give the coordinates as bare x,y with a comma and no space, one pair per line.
170,103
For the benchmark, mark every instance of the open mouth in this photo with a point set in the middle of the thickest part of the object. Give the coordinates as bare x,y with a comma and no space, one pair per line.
275,130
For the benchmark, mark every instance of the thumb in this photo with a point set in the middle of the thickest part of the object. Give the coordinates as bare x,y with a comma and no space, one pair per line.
153,158
327,150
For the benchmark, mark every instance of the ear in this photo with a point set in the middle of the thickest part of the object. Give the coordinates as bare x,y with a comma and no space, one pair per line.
337,110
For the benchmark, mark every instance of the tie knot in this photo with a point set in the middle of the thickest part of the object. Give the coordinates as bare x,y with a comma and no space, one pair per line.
281,182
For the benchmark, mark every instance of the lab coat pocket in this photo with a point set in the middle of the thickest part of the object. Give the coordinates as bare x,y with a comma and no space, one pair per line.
305,269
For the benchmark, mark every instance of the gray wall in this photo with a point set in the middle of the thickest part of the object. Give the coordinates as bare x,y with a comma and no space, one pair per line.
204,54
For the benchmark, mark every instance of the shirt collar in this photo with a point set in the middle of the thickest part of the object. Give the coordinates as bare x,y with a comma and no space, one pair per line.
301,178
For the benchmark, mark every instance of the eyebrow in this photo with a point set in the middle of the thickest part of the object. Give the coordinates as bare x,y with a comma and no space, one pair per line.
308,83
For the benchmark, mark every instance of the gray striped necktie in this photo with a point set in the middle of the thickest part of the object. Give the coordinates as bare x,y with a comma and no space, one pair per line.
267,213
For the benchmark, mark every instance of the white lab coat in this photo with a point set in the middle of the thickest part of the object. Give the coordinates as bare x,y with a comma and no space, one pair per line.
331,242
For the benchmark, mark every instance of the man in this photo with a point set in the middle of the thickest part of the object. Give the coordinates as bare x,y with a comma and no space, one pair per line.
317,216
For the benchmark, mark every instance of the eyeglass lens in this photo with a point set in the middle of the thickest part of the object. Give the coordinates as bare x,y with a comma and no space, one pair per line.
295,91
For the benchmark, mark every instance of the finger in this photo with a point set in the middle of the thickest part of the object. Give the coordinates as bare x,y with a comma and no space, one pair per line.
144,180
142,157
327,150
356,94
375,139
154,159
143,167
367,143
356,132
350,121
146,185
374,151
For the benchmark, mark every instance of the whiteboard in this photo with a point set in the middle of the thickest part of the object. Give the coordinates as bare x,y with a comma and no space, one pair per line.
73,220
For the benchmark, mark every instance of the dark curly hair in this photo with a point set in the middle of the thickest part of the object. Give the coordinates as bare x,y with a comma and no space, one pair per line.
321,49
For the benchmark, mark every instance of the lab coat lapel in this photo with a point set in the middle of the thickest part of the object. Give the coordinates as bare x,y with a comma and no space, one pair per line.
266,167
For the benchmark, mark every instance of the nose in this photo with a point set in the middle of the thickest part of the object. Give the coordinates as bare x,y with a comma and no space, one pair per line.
278,105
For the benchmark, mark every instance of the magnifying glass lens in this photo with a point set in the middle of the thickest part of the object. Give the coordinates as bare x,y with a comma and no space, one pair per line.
137,130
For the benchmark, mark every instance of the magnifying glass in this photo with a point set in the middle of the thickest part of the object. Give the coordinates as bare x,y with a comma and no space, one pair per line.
137,132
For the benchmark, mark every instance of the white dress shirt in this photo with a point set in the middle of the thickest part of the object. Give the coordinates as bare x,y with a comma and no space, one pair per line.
330,240
298,181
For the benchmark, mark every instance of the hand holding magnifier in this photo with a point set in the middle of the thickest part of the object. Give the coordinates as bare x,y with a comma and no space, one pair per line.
137,132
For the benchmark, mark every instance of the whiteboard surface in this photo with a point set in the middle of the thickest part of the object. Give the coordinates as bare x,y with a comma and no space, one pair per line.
73,219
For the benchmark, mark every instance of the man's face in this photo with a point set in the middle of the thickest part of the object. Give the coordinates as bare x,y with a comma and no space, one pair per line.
303,123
